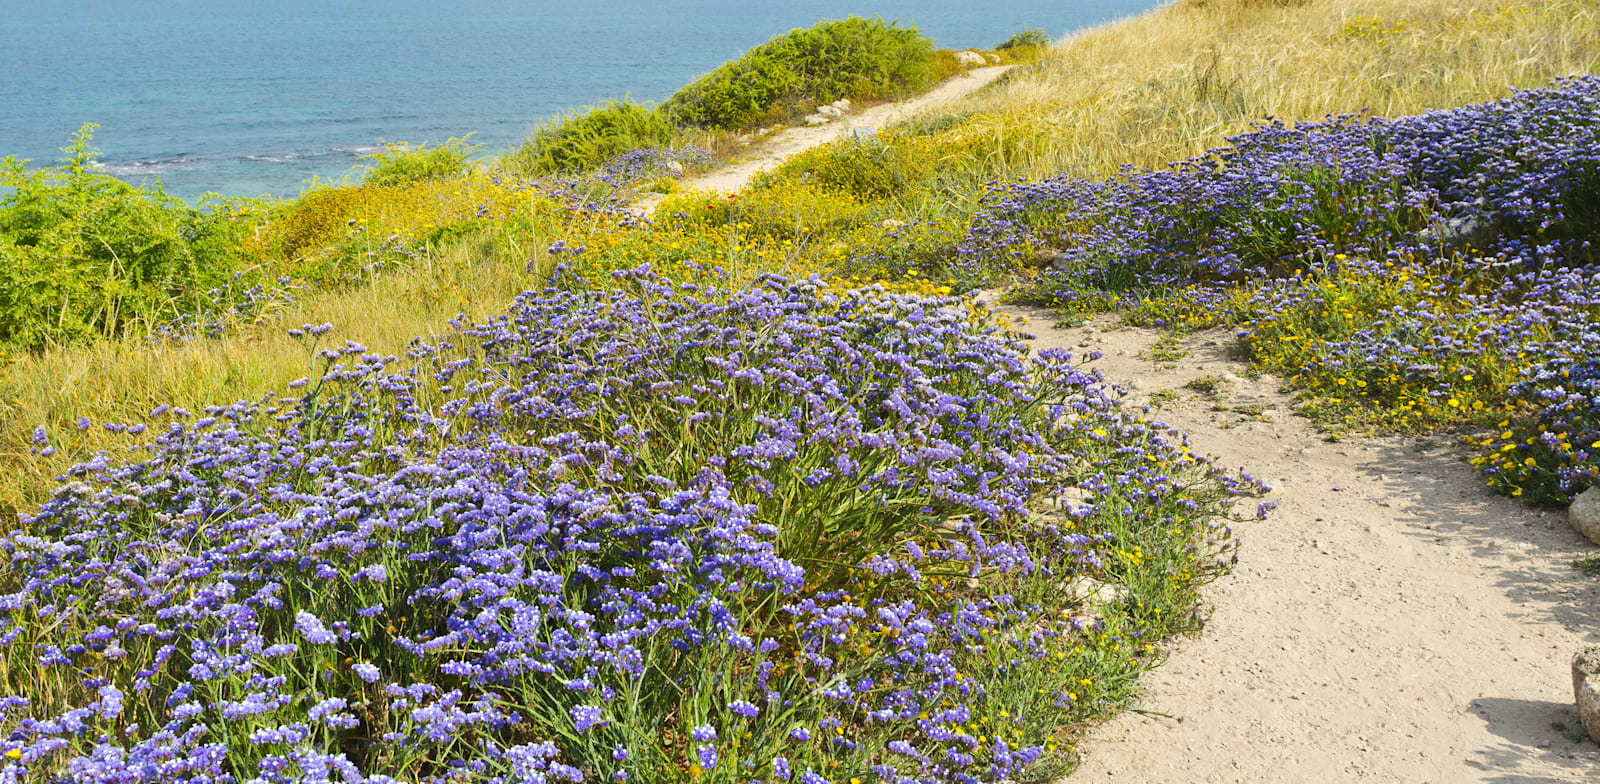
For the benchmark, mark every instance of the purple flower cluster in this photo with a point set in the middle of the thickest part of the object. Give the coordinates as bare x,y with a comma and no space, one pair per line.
596,537
1555,455
1476,222
228,307
646,163
600,192
1517,180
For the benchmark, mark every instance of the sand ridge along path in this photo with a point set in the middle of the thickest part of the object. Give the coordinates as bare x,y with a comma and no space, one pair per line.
789,140
1391,621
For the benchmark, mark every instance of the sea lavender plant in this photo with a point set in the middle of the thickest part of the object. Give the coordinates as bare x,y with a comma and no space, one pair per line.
679,534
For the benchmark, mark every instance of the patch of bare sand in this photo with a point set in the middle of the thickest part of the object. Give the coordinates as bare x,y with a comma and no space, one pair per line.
1391,621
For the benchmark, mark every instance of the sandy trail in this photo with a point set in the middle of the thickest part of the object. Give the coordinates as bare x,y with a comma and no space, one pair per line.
1391,621
777,148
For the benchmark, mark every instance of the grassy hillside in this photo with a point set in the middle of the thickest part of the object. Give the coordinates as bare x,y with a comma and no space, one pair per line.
864,60
499,482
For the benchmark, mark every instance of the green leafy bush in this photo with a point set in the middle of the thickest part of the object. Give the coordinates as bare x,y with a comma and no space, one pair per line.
1035,37
83,254
581,141
401,163
794,73
1024,47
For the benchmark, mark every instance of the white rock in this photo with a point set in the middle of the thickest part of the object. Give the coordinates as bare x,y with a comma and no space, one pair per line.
1585,514
1076,496
674,167
816,119
994,59
970,58
829,111
1586,688
892,224
1087,590
843,104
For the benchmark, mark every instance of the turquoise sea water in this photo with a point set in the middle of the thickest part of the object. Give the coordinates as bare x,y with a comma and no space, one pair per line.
246,98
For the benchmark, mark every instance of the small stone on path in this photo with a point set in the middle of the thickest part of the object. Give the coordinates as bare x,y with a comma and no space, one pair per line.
1586,688
1585,514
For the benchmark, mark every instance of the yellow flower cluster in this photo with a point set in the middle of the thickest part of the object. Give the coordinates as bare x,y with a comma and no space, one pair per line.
1416,377
328,221
1376,30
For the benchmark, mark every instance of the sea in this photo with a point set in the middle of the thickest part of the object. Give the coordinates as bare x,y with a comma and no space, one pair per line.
252,98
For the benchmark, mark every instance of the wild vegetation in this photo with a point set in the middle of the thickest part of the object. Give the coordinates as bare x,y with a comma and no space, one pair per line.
864,60
83,255
492,479
792,74
401,163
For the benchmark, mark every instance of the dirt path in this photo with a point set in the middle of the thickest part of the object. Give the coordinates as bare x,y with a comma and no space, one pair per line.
1392,621
777,148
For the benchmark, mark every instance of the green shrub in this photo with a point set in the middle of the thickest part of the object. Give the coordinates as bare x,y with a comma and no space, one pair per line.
83,254
582,141
1024,47
1027,38
868,168
401,163
794,73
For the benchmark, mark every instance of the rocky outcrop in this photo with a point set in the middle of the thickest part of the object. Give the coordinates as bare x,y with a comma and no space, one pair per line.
971,59
1585,514
1586,688
828,112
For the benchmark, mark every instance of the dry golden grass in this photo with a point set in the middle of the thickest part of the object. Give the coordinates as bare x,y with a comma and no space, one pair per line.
121,381
1177,81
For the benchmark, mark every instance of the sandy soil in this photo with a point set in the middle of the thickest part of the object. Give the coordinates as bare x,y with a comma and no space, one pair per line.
1391,621
777,147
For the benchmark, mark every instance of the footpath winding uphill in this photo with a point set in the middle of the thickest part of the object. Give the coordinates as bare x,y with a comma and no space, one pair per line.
1391,621
777,147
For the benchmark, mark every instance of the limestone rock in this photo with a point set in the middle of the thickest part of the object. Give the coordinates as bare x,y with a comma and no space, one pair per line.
970,58
816,119
1586,688
891,224
993,59
1076,496
1455,229
829,110
843,104
1088,590
1585,514
674,167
